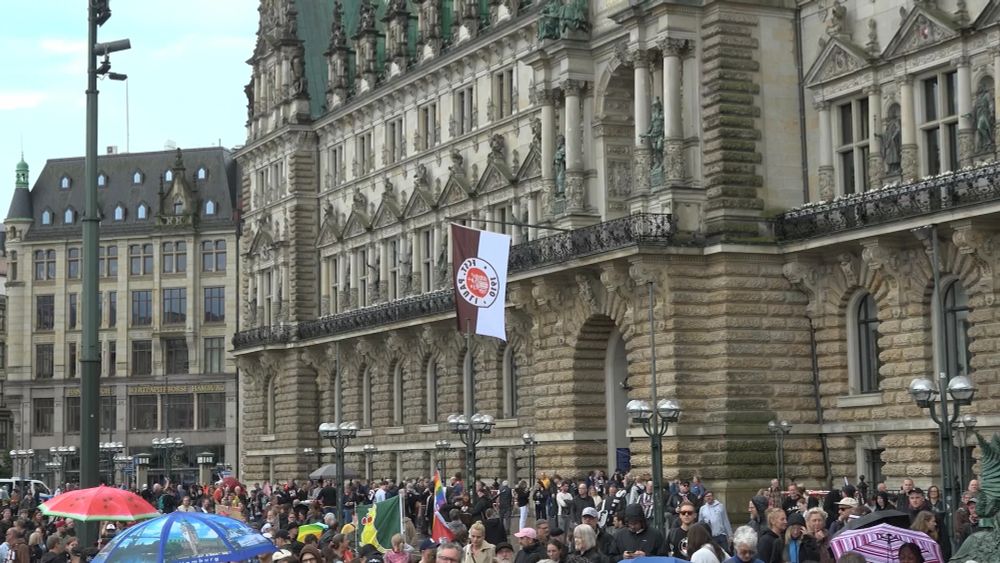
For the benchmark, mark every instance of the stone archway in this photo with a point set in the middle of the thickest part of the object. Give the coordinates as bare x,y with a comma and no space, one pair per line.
614,134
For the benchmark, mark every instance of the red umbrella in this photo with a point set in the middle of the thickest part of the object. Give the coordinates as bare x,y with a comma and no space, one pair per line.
99,503
230,482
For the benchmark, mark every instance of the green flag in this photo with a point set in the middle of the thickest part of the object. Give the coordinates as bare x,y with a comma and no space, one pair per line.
378,522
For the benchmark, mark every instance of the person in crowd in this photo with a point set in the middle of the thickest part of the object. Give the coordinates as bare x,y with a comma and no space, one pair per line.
745,545
581,501
564,506
845,508
478,550
713,513
927,523
677,540
682,495
851,557
523,496
757,508
815,546
916,503
882,502
703,549
640,540
448,553
910,553
771,543
603,539
428,551
531,550
542,529
505,553
557,551
56,551
505,504
791,501
18,549
585,543
186,505
495,531
311,554
793,538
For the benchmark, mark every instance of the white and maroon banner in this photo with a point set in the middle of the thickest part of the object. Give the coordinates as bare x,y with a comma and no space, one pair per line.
479,265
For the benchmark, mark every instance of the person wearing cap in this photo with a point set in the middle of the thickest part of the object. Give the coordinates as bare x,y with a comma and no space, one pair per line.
603,539
640,540
505,553
971,526
311,554
845,508
427,548
793,538
531,551
916,503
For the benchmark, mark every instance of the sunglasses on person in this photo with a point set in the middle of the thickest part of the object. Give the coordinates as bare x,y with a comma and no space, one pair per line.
687,513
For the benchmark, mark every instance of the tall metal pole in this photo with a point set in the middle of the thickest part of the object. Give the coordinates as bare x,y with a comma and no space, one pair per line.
340,477
657,433
470,408
944,425
90,358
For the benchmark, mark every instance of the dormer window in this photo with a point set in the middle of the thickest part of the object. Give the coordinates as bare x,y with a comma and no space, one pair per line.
69,216
102,180
120,212
143,212
46,217
65,182
210,208
136,178
168,176
202,173
178,207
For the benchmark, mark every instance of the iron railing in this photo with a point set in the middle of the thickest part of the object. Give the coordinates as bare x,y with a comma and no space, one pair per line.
633,230
890,204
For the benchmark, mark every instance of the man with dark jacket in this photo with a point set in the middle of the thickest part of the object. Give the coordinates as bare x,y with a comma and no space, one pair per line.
505,502
581,501
639,540
677,537
771,544
682,495
758,508
531,551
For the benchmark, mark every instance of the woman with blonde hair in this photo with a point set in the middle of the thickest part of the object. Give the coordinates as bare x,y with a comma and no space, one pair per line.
926,522
478,550
585,544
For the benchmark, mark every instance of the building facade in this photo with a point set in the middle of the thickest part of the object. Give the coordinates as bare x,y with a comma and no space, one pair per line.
167,307
739,180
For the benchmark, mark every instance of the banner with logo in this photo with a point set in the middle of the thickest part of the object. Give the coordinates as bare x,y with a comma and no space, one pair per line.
479,267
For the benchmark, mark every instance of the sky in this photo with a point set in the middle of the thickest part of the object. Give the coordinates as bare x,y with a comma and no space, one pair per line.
186,70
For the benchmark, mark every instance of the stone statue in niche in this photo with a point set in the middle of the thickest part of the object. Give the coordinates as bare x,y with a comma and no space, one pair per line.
248,90
575,16
655,136
984,114
892,142
299,82
548,20
836,21
559,165
536,132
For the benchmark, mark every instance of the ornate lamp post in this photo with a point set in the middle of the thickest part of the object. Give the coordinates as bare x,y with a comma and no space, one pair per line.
655,424
168,446
780,429
964,427
339,434
110,449
961,391
59,455
141,470
206,460
530,443
370,450
22,462
442,446
122,462
471,431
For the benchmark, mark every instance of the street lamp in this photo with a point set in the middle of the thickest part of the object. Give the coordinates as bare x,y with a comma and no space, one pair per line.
339,434
141,461
654,424
961,390
22,461
370,450
168,446
471,431
530,443
964,426
442,446
59,455
111,449
122,461
780,429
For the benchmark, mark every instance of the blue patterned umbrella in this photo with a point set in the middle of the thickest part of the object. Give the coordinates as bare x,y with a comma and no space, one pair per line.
186,537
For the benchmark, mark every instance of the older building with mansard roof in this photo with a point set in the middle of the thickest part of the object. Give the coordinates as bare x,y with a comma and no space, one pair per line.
167,308
761,165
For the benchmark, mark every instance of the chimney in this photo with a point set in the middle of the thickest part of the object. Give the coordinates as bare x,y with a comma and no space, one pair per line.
112,149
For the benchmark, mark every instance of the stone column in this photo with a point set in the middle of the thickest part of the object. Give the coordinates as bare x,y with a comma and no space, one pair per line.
826,184
544,98
344,298
383,271
575,194
909,156
324,287
355,277
641,162
996,97
532,216
673,126
875,166
416,261
966,139
515,230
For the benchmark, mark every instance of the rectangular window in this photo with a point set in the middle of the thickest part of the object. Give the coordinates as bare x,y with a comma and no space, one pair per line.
109,413
393,289
175,352
215,304
44,360
180,411
334,285
142,307
142,412
874,465
363,154
71,360
112,308
362,277
73,263
71,314
174,305
213,256
45,312
43,419
335,166
142,357
215,352
107,261
427,260
504,97
211,411
45,265
112,358
940,123
427,126
72,415
3,355
395,141
465,105
852,146
140,259
174,257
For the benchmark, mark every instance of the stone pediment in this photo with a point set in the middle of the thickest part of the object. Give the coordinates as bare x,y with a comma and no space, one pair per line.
330,230
990,15
531,167
496,176
386,214
358,223
456,189
838,58
262,243
420,202
922,27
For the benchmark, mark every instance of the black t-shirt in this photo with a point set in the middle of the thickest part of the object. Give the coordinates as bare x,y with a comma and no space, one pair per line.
329,496
677,544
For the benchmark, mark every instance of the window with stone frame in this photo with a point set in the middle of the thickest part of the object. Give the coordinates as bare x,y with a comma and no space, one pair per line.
334,285
427,126
180,413
510,382
107,261
430,391
112,362
71,360
112,309
397,394
73,309
73,263
175,355
174,257
109,413
335,165
426,241
504,95
395,140
852,141
142,357
392,289
958,357
45,312
174,305
43,416
464,111
215,304
142,307
140,259
143,412
363,276
45,265
939,122
213,256
211,411
863,351
215,354
44,361
72,415
366,398
364,153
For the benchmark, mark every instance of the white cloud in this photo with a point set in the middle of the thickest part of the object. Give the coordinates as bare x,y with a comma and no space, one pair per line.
191,45
58,46
21,100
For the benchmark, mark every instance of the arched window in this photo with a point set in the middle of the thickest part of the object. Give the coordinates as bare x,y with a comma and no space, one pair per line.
397,395
69,216
510,375
102,180
366,398
202,173
46,217
866,341
178,207
269,407
142,213
136,178
956,330
210,208
64,182
119,212
431,402
168,176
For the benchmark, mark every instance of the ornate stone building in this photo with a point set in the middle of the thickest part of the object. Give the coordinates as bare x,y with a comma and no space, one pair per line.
758,164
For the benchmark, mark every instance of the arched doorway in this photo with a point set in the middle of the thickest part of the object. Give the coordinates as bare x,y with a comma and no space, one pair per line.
616,390
614,134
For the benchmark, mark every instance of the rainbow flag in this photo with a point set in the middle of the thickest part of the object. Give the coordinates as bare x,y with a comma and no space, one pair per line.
440,532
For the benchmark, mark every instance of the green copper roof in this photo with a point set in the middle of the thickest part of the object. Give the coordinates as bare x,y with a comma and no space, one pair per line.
21,174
